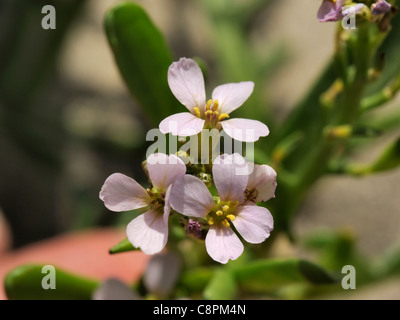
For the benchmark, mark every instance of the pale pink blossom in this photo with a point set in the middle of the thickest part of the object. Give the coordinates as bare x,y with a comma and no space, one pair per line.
186,82
148,231
191,197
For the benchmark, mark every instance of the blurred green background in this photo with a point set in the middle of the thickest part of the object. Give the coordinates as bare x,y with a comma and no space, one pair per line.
67,120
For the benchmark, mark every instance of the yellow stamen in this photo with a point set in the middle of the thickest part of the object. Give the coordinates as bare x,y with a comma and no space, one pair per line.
219,213
230,217
215,105
225,208
209,102
211,221
197,111
208,112
223,116
225,223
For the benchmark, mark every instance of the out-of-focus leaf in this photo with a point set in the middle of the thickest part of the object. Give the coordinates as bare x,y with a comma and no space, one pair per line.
25,283
195,280
143,58
222,286
337,249
123,246
265,275
389,159
391,49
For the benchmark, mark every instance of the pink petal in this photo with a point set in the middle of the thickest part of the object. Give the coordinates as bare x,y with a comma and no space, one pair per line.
148,232
223,244
263,179
230,174
245,130
330,11
190,196
122,193
186,82
231,96
254,223
167,206
182,124
164,170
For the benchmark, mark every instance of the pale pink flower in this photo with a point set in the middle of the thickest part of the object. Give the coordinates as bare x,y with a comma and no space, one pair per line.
191,197
148,231
186,82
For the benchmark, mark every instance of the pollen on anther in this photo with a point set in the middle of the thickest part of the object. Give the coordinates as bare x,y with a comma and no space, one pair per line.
225,208
211,221
223,116
230,217
209,102
197,111
219,213
215,105
225,223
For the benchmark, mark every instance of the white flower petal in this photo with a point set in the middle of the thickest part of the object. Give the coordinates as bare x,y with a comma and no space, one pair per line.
254,223
164,170
182,124
263,179
223,244
190,196
186,82
167,205
230,174
122,193
231,96
245,130
148,232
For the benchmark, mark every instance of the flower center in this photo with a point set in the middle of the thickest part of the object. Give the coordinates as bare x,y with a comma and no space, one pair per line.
157,199
222,213
211,113
250,195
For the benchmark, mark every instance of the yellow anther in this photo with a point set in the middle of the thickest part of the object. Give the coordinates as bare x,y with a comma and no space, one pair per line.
211,221
225,223
197,111
230,217
225,208
219,213
215,105
223,116
208,112
209,102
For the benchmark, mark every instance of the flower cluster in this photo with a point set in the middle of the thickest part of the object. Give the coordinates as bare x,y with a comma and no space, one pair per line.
335,10
220,216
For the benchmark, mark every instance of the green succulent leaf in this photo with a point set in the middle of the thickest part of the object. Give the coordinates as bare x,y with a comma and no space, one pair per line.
26,283
222,286
266,275
143,58
123,246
